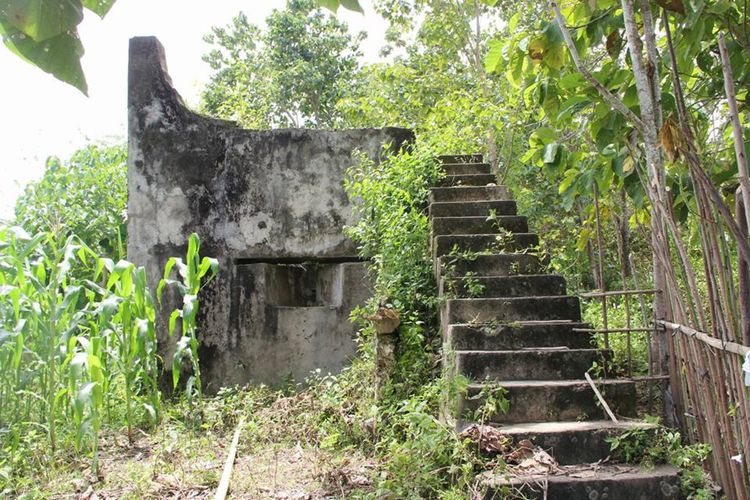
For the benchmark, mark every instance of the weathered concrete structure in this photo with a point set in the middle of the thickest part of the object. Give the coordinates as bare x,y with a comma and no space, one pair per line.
270,205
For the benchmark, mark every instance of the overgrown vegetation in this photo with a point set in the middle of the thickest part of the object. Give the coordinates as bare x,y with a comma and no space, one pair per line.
85,195
76,345
661,445
393,232
78,349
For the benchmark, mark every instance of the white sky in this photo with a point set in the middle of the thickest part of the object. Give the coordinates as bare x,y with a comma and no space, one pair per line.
42,116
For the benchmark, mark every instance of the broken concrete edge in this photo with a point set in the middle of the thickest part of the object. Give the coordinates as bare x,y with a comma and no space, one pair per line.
149,84
257,198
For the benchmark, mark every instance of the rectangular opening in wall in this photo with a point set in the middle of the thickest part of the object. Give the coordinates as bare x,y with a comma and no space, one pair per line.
292,282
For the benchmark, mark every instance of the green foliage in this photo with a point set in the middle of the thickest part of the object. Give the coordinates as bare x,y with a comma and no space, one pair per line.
85,196
194,273
433,83
291,74
45,33
393,232
662,445
393,226
72,347
78,346
424,457
639,341
494,402
579,142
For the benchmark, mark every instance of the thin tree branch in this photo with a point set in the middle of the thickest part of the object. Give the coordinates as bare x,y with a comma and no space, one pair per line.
653,59
608,96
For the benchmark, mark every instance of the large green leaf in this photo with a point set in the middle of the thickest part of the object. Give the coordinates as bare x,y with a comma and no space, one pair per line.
551,153
333,5
352,5
59,55
99,7
494,56
554,56
41,19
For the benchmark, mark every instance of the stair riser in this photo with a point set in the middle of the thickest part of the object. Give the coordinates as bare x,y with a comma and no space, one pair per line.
539,403
468,180
509,310
573,447
466,338
502,286
526,365
486,193
638,488
472,158
467,168
492,265
478,225
476,208
489,243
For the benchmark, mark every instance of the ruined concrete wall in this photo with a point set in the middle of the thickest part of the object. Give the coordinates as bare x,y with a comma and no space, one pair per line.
270,205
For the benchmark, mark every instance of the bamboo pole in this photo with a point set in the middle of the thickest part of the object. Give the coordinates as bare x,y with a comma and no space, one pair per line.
612,330
644,319
714,342
617,293
226,476
743,275
739,142
602,281
713,422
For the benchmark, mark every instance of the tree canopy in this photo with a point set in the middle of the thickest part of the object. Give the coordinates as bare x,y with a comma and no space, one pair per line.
290,74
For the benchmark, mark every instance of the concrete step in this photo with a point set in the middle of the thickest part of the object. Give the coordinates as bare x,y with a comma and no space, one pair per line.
468,193
478,225
469,180
573,442
471,158
476,208
486,287
554,400
483,243
467,168
610,482
465,337
498,264
510,309
528,364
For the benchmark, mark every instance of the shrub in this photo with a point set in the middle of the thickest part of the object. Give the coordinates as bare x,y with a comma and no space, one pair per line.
85,196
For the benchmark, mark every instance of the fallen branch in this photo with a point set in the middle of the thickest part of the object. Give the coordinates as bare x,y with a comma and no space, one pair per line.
601,398
223,489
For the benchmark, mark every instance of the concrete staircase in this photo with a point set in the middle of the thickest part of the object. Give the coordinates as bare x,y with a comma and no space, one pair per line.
507,322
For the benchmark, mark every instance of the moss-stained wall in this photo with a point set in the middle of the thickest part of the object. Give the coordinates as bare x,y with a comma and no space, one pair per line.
270,205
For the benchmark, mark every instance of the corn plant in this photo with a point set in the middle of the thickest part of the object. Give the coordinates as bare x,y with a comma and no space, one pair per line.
194,273
78,342
131,336
40,317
